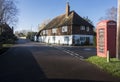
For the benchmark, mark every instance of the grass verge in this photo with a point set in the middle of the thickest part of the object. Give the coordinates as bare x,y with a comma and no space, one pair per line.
112,67
5,47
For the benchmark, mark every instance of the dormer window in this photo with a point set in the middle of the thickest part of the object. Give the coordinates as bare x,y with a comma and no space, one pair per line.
82,27
64,29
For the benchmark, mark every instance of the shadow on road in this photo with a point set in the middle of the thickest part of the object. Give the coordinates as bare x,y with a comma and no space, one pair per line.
3,50
19,65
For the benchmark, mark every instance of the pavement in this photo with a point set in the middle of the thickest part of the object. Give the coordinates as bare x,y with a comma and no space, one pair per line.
30,62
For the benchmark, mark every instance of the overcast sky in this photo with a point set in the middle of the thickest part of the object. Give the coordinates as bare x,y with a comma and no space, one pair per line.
33,12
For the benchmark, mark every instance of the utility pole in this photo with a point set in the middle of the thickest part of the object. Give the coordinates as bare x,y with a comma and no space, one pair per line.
118,32
31,33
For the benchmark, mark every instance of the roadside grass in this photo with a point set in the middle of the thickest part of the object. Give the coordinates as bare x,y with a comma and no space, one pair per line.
113,67
5,47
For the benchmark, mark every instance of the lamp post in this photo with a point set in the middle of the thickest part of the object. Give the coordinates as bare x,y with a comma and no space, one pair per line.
118,32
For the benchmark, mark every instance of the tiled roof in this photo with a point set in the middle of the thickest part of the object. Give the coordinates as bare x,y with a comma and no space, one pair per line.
62,20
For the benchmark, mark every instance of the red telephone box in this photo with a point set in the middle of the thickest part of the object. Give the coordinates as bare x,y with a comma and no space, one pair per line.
106,38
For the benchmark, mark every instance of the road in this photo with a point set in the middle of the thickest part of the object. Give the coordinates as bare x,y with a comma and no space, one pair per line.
30,62
78,51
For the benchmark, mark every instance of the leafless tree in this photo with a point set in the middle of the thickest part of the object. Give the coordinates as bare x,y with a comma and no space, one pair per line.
43,24
88,20
111,14
8,11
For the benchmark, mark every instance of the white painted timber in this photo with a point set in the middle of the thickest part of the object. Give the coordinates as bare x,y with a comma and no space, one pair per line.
65,39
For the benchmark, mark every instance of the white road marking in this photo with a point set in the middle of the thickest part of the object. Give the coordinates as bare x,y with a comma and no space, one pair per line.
69,52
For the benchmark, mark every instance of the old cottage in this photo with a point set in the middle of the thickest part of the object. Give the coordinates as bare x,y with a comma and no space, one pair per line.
69,28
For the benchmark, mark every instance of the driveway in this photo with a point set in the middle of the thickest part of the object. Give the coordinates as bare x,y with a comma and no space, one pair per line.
29,62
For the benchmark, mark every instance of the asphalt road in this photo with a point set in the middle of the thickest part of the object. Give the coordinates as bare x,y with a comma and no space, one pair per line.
30,62
78,51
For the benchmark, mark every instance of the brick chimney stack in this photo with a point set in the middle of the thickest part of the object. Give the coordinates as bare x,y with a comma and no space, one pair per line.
67,9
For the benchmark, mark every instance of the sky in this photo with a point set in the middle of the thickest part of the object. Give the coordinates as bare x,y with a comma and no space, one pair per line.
33,12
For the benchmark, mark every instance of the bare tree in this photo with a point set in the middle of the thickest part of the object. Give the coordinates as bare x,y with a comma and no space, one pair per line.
111,14
43,24
88,20
8,11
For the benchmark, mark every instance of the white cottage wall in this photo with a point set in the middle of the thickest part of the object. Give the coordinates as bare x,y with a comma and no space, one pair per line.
79,41
66,39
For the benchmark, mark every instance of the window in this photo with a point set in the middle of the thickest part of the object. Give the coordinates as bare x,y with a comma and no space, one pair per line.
101,40
54,30
82,38
66,39
43,32
82,28
64,29
46,31
88,29
53,38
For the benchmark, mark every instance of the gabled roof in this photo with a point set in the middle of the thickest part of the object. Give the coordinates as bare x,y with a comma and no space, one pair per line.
78,20
62,20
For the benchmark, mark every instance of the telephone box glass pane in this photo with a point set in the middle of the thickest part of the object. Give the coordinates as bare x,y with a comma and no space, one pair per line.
101,40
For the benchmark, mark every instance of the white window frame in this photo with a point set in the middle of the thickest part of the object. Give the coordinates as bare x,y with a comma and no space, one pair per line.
66,39
82,27
64,28
46,31
54,30
43,32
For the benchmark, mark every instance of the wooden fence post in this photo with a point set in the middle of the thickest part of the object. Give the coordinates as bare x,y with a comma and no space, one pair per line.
108,56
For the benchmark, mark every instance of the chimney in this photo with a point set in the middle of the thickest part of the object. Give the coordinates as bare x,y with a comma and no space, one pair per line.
67,9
